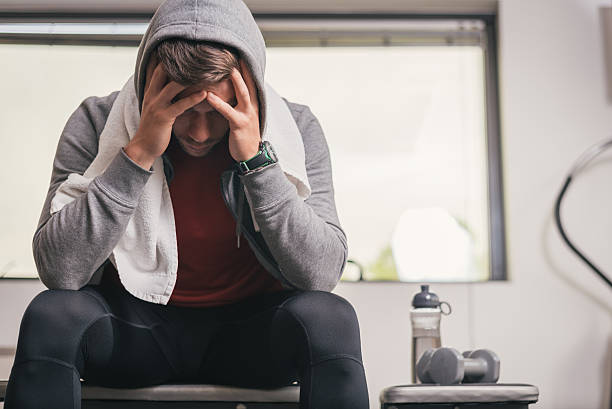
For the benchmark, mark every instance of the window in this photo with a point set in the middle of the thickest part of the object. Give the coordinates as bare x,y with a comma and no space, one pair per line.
408,107
35,106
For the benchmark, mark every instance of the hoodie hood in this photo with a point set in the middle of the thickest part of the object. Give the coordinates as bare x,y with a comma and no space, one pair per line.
228,22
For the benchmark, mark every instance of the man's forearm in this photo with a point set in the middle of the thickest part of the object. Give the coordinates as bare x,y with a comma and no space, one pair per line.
310,248
77,239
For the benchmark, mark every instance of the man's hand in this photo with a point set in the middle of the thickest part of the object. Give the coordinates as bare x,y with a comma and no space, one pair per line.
243,119
158,115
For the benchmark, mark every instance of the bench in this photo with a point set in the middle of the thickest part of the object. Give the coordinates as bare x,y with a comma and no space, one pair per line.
185,396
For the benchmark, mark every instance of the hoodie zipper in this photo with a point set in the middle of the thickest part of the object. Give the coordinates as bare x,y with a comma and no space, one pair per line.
240,212
240,228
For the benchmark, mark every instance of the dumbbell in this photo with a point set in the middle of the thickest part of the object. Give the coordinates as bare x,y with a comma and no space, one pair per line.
422,367
446,366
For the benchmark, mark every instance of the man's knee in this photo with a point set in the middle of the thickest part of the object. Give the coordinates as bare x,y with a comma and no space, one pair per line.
329,322
54,322
62,305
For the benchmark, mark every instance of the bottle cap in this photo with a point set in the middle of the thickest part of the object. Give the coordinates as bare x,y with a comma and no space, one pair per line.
425,299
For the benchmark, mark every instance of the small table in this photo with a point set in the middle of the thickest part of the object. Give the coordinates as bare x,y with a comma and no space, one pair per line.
468,396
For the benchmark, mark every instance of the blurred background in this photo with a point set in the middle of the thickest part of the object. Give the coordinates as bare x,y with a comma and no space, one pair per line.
451,124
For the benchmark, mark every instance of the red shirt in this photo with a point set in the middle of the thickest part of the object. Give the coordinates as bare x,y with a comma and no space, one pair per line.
211,269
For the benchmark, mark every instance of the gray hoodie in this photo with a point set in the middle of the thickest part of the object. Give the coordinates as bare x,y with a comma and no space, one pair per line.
300,242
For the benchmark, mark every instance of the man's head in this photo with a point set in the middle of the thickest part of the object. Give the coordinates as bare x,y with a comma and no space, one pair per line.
198,65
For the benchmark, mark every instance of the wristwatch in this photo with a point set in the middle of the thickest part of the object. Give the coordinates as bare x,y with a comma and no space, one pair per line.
265,156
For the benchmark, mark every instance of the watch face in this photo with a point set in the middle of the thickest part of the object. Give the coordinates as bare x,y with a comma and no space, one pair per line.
270,151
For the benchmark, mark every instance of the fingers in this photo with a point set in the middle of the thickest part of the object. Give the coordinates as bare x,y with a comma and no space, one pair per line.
149,73
171,89
161,91
158,80
183,104
246,95
222,107
249,82
241,89
153,61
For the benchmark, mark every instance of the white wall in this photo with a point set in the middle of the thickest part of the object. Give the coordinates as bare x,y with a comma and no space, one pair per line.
551,322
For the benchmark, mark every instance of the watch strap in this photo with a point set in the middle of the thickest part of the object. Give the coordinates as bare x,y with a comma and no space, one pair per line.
262,158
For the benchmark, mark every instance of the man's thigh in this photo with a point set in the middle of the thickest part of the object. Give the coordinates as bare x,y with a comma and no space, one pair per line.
125,348
256,344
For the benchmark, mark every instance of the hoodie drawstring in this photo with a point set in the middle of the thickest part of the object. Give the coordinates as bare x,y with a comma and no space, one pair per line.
240,206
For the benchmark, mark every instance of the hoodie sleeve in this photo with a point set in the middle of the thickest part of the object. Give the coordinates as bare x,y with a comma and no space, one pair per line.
304,236
71,244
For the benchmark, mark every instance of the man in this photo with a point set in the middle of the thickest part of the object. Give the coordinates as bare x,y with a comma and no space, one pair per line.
260,315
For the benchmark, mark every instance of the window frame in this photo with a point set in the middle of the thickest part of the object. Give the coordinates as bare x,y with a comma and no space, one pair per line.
497,234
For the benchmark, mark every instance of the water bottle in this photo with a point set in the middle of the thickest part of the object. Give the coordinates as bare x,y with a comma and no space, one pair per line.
425,319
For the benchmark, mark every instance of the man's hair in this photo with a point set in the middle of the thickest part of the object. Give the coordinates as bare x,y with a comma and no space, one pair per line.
190,62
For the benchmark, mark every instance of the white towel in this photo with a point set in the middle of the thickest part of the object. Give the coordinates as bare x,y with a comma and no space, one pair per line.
146,256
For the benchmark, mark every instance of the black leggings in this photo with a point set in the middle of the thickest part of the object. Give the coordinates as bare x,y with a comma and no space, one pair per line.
108,337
